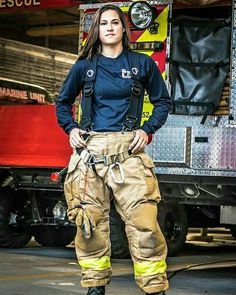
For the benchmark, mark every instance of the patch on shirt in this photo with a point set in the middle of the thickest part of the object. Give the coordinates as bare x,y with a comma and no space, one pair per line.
127,74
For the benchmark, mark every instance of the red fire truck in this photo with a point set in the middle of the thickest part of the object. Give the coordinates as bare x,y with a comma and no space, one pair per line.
194,153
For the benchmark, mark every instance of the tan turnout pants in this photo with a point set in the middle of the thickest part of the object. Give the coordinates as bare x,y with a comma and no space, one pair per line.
88,195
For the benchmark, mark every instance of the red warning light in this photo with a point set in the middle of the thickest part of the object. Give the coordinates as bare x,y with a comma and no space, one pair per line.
55,177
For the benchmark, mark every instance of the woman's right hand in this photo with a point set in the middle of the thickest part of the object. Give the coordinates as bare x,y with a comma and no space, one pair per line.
76,140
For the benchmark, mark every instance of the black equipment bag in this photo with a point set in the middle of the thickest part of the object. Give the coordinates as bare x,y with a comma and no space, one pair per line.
199,64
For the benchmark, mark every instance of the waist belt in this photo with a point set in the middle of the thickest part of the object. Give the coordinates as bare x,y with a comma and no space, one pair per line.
90,159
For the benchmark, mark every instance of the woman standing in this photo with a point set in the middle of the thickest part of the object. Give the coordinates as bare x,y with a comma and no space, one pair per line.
109,159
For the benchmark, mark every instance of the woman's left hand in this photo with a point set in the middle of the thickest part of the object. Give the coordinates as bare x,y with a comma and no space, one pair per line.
140,141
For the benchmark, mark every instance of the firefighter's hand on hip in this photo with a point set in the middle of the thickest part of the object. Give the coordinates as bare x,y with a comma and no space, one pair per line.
140,141
76,140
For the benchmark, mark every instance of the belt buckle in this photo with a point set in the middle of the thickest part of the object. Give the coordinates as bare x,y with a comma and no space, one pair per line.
91,160
106,160
88,158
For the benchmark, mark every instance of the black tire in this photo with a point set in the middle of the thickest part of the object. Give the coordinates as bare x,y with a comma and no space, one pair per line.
233,231
11,236
119,242
53,236
173,221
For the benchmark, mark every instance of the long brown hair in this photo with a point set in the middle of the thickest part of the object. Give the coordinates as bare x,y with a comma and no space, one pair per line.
92,45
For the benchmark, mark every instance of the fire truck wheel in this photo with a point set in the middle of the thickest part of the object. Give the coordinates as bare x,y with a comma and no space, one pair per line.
233,231
52,236
119,242
12,233
172,219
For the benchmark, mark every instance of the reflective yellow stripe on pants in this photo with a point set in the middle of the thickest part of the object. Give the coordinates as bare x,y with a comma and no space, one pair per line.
149,268
96,263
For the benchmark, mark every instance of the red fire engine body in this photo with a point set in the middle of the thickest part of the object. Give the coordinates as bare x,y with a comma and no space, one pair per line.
30,137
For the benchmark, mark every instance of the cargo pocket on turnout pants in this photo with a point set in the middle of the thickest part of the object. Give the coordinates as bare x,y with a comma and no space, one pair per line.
73,185
147,170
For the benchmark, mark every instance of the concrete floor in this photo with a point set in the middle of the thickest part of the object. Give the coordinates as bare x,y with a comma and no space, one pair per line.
39,270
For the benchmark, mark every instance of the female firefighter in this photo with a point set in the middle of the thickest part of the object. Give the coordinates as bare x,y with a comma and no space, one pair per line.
109,159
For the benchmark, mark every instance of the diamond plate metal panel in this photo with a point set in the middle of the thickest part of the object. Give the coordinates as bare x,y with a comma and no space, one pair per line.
171,147
218,153
192,172
175,151
233,67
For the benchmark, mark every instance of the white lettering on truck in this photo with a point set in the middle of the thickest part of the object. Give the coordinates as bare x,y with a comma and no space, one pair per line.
18,3
20,94
8,92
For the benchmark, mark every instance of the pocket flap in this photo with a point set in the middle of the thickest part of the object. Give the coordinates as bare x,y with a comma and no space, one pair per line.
147,161
74,160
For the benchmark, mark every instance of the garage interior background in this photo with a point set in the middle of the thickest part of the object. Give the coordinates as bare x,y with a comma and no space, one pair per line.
40,45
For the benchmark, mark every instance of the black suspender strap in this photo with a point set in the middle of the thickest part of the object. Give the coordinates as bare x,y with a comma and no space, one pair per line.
90,76
131,120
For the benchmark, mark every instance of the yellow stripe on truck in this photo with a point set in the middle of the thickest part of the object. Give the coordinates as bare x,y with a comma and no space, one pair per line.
162,29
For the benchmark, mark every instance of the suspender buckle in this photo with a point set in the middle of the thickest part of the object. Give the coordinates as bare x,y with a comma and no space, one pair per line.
89,128
86,124
129,123
88,89
136,88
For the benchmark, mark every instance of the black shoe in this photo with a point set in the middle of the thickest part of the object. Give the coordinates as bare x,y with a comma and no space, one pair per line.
157,293
96,290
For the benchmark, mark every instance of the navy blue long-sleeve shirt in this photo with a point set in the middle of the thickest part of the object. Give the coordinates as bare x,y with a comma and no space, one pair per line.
112,89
